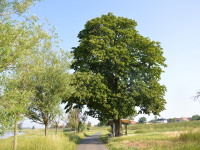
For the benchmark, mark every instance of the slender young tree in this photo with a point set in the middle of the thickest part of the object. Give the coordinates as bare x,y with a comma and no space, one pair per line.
74,119
57,120
51,82
15,102
117,69
18,39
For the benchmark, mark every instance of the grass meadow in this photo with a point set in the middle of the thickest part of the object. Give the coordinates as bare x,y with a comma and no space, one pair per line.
35,140
170,136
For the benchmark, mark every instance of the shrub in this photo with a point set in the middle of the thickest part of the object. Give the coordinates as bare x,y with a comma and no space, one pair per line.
104,138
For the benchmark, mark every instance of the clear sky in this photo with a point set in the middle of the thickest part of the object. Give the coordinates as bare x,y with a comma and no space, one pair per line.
174,23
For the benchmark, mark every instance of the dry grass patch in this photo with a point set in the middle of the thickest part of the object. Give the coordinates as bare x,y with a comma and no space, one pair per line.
175,134
149,143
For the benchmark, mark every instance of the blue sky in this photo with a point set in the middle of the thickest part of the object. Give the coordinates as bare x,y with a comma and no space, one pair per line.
176,24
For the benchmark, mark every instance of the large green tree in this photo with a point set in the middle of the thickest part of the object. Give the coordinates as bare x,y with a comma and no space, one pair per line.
116,70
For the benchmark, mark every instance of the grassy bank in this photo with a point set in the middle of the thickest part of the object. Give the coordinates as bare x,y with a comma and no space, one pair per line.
35,140
175,126
173,136
103,130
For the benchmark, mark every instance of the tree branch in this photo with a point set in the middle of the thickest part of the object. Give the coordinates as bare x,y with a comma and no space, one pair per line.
8,13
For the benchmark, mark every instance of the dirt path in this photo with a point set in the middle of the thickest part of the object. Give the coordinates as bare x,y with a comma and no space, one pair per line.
92,143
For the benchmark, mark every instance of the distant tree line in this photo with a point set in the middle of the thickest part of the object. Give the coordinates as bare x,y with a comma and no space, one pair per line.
196,117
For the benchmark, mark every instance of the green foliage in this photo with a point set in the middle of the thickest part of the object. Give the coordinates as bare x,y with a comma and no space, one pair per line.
89,126
22,41
195,117
25,60
172,119
18,38
15,99
50,80
117,69
8,7
142,120
74,119
104,139
82,127
20,126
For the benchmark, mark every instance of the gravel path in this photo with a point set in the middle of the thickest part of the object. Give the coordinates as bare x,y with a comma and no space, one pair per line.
92,143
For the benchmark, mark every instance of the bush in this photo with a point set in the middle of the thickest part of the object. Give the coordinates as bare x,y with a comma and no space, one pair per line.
104,138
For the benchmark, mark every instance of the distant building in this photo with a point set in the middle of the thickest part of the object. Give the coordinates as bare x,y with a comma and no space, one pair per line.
182,119
133,122
161,120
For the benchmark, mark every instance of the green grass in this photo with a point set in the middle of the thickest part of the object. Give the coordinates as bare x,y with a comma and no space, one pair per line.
35,140
176,126
190,136
103,130
105,138
173,136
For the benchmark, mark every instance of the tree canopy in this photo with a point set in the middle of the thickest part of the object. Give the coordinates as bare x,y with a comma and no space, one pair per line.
120,69
19,35
9,7
142,120
30,72
196,117
50,81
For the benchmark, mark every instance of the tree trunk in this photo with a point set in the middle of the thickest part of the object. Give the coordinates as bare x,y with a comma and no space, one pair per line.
46,127
121,130
117,127
56,129
113,129
78,129
126,129
15,135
